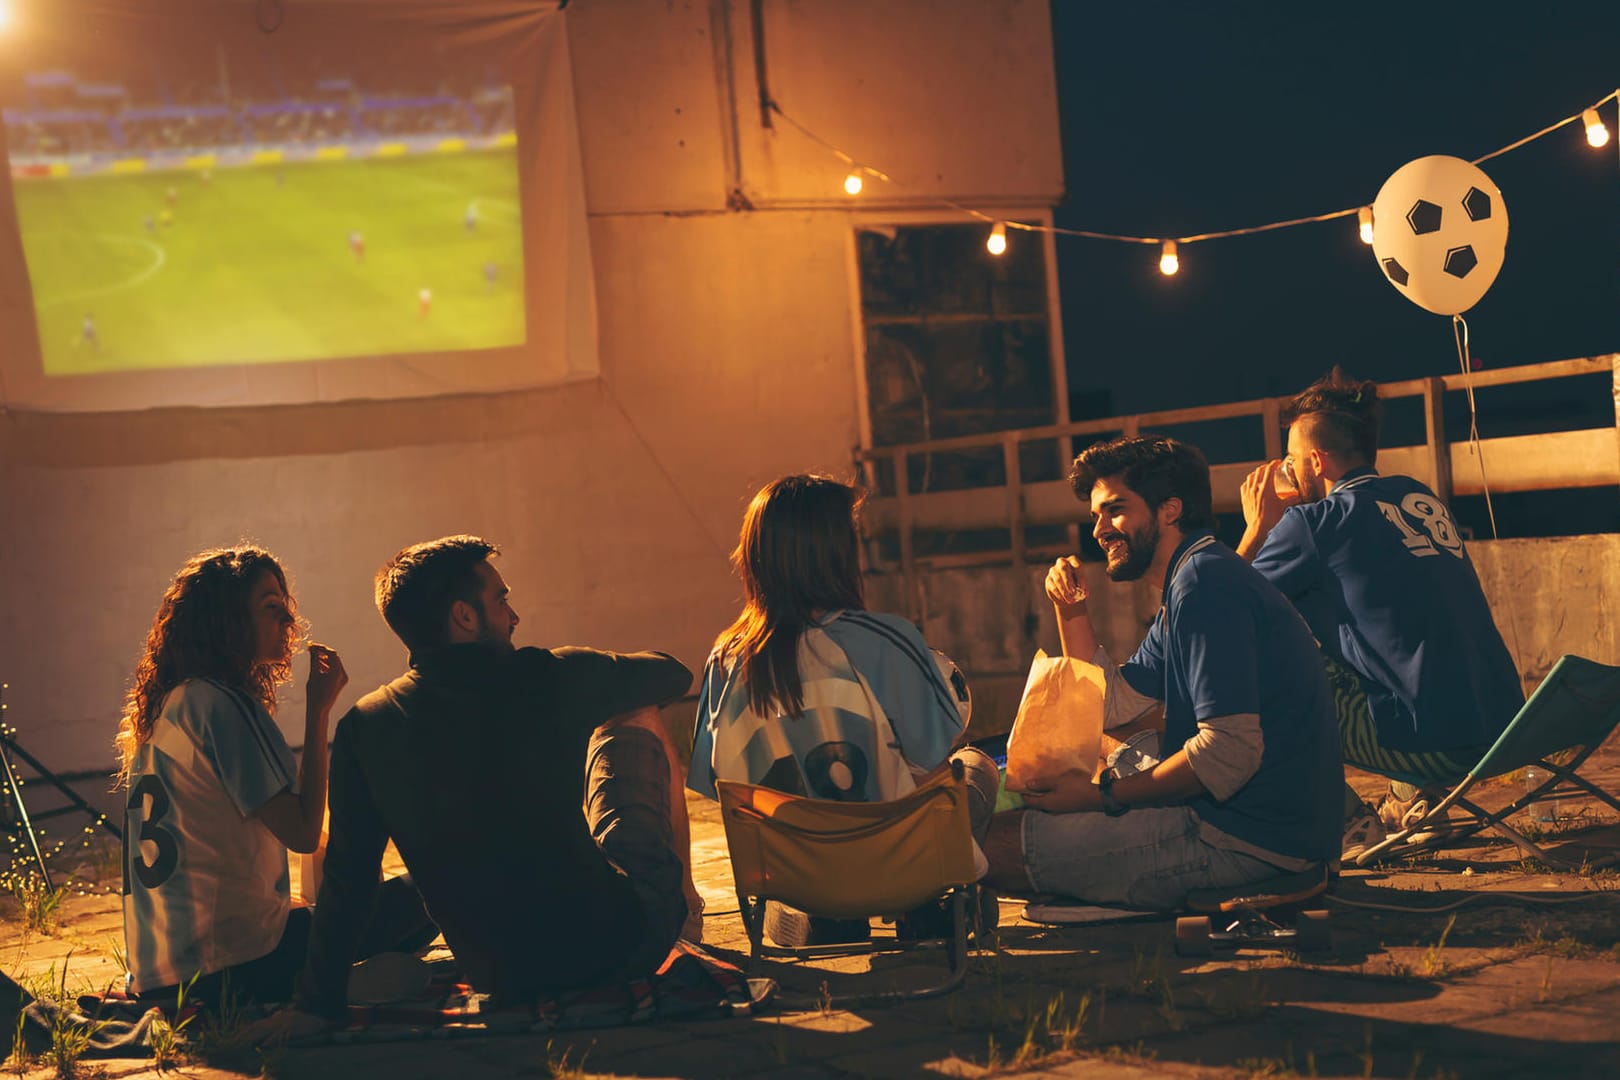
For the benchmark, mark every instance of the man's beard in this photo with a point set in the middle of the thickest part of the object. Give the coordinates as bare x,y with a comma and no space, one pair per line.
1311,489
487,635
1139,549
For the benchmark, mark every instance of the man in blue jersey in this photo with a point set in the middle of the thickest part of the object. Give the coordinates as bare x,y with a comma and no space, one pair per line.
1423,683
1247,787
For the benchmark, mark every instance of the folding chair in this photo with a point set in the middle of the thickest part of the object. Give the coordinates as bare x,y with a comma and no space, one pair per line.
851,861
1576,706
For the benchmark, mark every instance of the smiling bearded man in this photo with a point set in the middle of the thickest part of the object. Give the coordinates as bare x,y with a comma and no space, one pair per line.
1246,789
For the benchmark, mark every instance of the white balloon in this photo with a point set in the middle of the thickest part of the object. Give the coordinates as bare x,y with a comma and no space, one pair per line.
1440,232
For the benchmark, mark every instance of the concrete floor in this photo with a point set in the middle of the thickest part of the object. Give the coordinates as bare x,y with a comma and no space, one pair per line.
1518,985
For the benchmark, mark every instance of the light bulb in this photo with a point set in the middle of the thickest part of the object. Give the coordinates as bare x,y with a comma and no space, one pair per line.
1364,216
853,182
1596,133
1168,262
996,242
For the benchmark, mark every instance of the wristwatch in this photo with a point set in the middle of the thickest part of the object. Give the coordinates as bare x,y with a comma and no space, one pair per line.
1105,785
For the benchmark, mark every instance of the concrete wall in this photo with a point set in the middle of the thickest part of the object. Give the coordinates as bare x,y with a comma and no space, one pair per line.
1549,596
729,356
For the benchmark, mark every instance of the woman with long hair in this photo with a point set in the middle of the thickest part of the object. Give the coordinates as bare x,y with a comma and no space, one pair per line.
808,692
214,799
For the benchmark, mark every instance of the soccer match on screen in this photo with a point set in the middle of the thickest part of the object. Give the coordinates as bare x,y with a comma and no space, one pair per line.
195,210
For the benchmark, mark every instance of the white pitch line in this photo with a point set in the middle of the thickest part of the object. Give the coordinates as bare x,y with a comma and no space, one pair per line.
159,257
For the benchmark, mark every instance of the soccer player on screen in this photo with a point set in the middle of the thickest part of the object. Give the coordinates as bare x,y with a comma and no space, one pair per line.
469,220
87,332
357,245
424,302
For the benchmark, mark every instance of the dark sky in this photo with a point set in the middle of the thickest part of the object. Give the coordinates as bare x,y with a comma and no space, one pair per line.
1188,117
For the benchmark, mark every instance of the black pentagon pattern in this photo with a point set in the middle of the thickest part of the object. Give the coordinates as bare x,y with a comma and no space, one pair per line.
1461,260
1477,204
1424,217
1397,273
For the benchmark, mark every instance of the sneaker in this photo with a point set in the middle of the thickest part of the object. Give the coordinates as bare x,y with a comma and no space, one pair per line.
793,929
1362,830
1398,815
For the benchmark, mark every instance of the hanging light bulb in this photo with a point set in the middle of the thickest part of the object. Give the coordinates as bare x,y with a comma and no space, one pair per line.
853,182
1596,133
996,242
1168,262
1364,217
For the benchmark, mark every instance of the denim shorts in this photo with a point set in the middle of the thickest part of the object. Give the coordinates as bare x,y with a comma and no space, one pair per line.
1149,857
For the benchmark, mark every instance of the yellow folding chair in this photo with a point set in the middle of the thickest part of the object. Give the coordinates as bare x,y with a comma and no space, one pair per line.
852,860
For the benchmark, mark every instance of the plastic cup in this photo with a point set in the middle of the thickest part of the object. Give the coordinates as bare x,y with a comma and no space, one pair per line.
1282,481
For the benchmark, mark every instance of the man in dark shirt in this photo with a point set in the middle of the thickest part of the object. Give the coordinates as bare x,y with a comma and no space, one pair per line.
476,762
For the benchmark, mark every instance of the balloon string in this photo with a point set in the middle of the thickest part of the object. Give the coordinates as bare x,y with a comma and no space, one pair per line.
1459,333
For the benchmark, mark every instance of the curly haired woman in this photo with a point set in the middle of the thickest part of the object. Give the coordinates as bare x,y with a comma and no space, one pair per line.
214,799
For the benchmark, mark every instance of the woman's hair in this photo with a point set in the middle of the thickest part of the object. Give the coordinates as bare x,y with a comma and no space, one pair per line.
204,629
799,554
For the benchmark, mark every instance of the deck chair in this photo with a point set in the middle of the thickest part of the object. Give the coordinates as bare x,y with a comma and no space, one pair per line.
1575,708
853,860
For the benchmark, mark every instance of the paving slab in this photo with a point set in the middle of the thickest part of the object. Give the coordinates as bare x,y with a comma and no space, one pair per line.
1491,966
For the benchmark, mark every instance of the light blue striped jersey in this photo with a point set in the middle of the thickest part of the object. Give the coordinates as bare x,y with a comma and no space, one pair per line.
878,713
205,884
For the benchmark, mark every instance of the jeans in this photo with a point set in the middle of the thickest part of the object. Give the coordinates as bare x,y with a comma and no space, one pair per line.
1150,857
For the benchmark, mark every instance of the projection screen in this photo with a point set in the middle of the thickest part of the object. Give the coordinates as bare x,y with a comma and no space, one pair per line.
243,202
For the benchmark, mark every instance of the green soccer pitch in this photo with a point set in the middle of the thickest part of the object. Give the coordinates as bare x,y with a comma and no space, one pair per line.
254,264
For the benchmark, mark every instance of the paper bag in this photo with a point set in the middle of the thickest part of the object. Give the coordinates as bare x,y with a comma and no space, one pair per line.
1059,724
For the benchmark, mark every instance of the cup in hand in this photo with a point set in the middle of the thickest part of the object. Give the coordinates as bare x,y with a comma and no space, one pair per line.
1282,481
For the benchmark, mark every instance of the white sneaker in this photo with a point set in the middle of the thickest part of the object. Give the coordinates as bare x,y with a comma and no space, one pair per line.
1400,814
1362,831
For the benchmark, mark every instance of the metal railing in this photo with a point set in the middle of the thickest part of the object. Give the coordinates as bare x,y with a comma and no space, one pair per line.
1551,460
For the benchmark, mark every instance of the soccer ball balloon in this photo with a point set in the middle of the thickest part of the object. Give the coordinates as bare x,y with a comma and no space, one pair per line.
1439,233
957,683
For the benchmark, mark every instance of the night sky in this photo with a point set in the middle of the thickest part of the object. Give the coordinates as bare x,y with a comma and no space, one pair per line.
1186,117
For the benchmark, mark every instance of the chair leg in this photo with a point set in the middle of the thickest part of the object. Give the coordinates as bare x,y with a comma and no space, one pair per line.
1384,848
956,953
753,917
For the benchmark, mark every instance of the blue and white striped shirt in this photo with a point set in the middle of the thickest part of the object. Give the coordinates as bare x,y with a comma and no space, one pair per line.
878,712
205,883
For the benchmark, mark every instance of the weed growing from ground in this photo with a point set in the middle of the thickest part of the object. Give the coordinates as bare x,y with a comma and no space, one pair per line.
168,1037
1434,957
39,904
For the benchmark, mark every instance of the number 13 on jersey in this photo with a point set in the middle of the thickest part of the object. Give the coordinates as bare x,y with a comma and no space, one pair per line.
1428,514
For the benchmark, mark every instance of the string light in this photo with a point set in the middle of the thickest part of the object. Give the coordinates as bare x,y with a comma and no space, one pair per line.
996,242
1596,133
1169,263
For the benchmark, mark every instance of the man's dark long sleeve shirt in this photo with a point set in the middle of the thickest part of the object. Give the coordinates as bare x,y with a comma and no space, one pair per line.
473,761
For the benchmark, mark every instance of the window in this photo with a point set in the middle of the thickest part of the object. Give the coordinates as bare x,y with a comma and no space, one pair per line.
957,342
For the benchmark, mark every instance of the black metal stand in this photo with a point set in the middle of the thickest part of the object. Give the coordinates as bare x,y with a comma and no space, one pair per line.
13,792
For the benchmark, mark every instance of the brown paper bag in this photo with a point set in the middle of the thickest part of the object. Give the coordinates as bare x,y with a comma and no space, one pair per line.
1059,724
